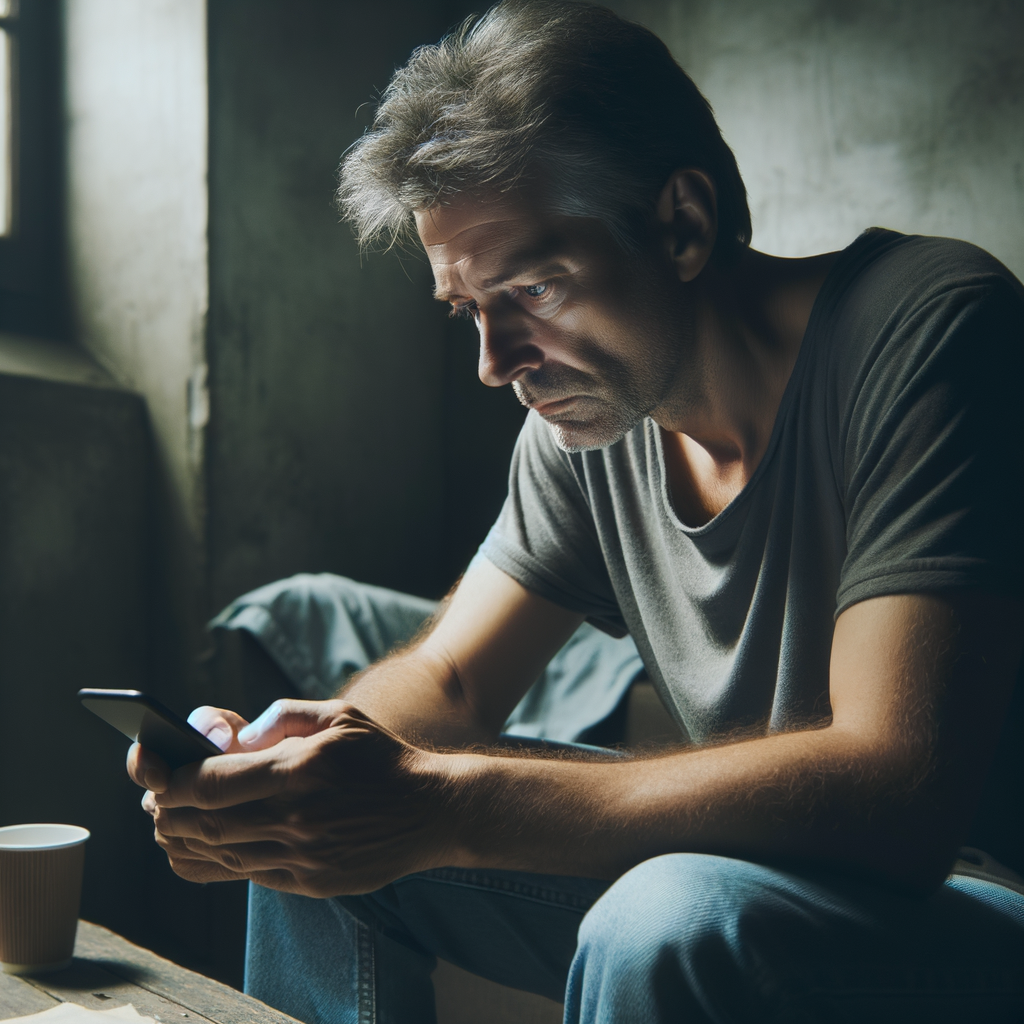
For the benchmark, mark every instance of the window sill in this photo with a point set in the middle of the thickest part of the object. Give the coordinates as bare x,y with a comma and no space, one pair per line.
62,363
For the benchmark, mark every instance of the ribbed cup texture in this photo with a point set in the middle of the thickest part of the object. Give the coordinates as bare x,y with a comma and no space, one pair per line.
40,892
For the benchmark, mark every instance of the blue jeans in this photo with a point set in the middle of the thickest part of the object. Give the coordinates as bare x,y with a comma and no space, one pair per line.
682,937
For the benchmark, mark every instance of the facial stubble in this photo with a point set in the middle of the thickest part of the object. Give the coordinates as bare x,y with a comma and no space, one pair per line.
620,393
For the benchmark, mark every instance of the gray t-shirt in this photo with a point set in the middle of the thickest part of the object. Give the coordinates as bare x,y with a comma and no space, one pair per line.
894,466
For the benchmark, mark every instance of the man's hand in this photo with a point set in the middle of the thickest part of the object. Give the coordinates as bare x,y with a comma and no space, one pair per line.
312,798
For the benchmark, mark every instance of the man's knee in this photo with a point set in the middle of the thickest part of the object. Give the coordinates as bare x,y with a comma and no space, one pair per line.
672,937
683,901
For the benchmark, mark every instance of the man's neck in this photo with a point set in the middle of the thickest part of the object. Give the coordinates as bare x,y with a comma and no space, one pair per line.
749,324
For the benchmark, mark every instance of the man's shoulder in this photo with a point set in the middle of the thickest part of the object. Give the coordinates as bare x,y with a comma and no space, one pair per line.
893,292
899,268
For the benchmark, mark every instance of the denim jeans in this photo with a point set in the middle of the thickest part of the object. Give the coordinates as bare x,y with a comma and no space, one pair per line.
682,937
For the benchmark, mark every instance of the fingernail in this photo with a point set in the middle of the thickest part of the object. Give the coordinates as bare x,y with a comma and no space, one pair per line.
248,734
221,735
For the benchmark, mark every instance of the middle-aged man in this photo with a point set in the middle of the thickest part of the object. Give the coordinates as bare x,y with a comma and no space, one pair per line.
795,482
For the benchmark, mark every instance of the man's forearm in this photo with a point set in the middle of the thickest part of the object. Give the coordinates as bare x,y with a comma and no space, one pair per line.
456,685
817,796
417,695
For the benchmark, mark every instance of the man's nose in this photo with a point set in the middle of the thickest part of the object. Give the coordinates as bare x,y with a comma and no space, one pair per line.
507,349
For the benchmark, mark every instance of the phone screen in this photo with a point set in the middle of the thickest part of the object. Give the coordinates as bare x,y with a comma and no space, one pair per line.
146,720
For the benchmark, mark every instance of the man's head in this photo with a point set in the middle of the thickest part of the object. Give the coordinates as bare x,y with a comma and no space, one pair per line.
564,176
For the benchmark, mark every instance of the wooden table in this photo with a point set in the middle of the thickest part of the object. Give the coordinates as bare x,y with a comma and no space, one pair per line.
110,971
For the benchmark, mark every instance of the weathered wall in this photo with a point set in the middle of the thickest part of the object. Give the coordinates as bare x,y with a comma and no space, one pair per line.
843,114
328,372
137,236
136,188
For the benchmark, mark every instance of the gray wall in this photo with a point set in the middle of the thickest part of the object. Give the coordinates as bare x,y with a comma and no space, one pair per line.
844,114
137,239
333,377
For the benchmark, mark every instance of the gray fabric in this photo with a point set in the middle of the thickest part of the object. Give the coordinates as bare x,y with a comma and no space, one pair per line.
321,629
894,466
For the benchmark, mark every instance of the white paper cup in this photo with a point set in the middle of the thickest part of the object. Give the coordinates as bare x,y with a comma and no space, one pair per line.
40,891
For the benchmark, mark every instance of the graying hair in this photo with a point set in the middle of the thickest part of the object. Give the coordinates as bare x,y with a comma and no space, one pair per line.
558,95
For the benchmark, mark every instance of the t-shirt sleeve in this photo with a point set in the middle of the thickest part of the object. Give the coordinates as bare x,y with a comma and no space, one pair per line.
931,448
545,537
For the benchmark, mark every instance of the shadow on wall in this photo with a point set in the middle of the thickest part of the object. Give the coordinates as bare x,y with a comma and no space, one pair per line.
348,430
75,591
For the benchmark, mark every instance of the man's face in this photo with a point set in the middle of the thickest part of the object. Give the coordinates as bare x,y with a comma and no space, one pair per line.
587,336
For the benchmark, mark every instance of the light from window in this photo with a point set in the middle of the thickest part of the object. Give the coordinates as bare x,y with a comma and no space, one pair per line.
6,120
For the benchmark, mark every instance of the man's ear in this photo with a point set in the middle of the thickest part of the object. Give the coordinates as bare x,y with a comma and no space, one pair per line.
688,209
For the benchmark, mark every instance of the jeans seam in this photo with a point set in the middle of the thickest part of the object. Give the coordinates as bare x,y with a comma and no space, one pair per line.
367,994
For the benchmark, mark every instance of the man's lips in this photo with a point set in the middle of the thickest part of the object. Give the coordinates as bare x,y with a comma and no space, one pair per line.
550,408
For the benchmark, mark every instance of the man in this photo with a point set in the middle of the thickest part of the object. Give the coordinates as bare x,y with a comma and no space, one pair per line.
795,483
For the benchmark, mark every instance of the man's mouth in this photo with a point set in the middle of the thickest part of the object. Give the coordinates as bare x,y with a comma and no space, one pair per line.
553,407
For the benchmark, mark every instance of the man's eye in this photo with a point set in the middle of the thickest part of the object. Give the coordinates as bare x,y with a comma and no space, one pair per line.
463,311
535,291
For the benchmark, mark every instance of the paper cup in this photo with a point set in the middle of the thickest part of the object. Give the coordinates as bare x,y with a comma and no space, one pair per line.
40,890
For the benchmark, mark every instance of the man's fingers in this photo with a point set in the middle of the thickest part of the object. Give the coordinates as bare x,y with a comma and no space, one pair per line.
253,822
147,769
150,771
195,868
228,780
199,863
286,718
220,726
245,859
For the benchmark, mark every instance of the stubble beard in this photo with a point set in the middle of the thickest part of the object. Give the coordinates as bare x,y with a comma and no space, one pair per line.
607,407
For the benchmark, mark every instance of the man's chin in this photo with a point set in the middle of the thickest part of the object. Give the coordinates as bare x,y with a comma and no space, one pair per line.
585,436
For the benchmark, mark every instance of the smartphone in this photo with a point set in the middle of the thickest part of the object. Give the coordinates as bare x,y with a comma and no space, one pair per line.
146,720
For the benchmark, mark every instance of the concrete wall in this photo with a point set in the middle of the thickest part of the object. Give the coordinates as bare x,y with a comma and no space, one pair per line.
137,202
844,114
334,387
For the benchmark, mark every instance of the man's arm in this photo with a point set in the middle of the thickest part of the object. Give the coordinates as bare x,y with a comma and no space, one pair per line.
918,685
460,682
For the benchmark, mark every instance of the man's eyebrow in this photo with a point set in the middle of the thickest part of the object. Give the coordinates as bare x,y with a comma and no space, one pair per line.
532,265
528,264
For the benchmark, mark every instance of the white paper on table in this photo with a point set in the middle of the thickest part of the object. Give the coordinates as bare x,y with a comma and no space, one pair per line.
72,1013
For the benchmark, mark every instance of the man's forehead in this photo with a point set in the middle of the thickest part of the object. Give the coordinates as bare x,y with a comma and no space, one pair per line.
474,224
484,237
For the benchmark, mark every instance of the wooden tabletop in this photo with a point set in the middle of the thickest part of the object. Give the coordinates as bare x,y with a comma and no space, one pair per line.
109,971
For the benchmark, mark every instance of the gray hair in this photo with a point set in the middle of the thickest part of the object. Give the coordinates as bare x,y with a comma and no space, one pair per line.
558,95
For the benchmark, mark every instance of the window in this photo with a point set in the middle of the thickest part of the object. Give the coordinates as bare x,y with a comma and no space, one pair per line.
31,201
